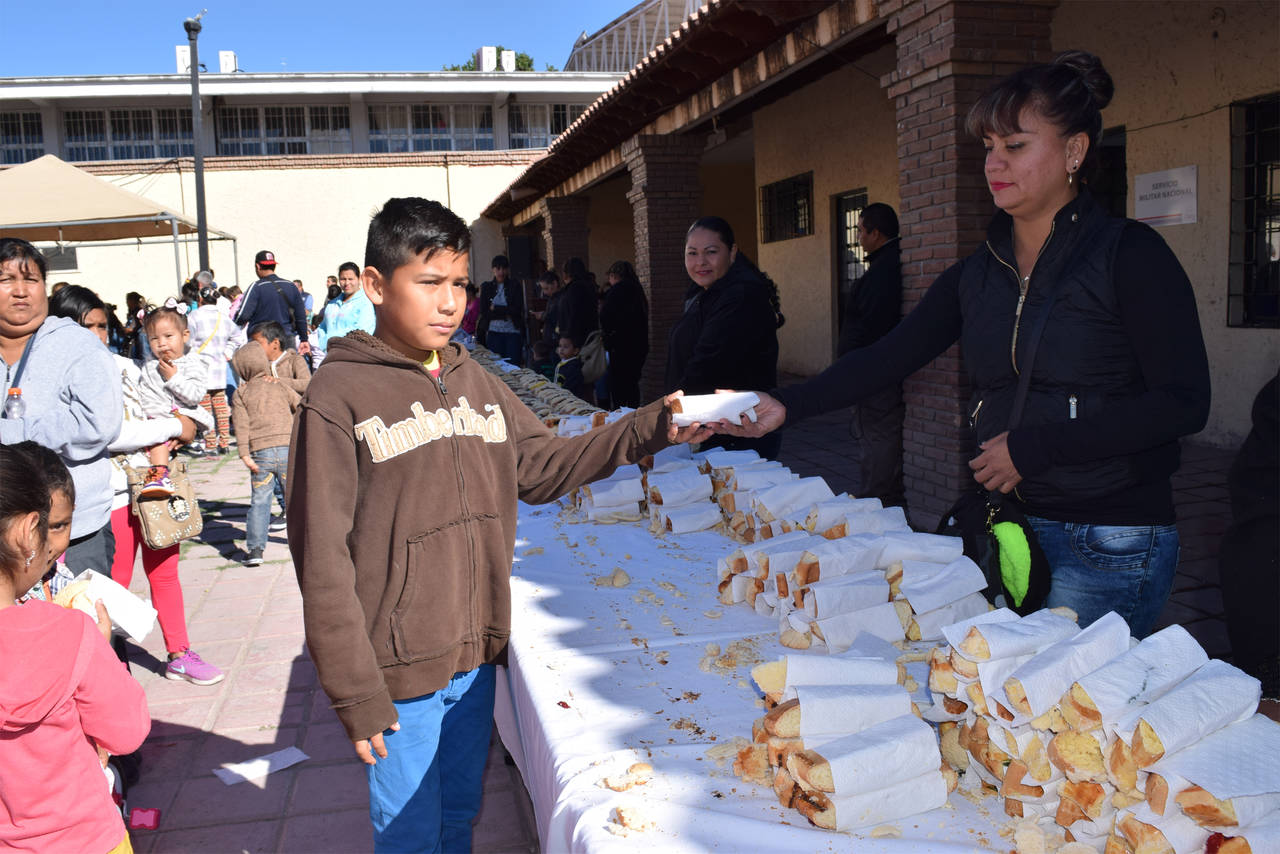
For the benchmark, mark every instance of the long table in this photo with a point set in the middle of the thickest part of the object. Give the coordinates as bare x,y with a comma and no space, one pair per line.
600,677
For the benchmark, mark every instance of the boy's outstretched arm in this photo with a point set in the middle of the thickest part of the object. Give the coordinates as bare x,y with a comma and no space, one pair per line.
322,499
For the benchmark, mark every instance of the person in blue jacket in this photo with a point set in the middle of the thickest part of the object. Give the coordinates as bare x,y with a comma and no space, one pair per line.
352,311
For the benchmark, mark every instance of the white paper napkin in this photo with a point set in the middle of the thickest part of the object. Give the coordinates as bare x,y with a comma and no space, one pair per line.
881,755
1047,676
929,586
846,709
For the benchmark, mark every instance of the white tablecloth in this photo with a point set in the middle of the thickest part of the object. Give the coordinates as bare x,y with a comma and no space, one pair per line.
587,693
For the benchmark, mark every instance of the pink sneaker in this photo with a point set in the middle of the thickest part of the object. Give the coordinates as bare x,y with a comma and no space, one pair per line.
158,484
194,669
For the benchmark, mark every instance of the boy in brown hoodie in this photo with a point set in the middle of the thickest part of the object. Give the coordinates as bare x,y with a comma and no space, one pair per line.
407,462
262,418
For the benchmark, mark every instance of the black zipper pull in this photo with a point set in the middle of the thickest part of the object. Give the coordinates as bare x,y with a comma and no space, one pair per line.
440,382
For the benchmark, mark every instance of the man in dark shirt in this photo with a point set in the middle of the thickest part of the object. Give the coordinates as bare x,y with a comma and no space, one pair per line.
274,298
875,307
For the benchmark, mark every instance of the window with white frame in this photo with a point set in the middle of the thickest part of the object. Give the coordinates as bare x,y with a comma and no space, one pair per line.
284,129
21,137
430,127
127,134
563,115
528,125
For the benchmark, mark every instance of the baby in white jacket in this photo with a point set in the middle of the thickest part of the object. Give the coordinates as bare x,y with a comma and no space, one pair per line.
171,381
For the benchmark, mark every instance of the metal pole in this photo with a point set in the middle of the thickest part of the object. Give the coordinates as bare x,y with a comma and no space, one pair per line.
192,26
177,255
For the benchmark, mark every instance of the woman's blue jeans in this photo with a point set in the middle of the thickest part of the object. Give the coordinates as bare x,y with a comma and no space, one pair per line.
1099,568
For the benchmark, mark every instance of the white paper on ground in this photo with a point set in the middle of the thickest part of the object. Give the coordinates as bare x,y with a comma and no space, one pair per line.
879,620
1214,696
845,594
1031,634
886,520
918,794
1047,676
1143,673
881,755
846,709
1182,833
955,632
930,623
779,501
679,487
824,514
253,769
826,670
910,545
698,516
930,586
131,615
1236,761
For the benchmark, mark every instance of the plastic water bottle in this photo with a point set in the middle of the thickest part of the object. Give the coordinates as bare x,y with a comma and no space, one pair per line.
14,406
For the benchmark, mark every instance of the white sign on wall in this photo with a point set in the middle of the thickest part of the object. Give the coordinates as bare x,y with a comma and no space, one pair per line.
1166,198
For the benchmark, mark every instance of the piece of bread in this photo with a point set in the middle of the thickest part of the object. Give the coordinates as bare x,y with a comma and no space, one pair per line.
1079,710
1122,771
1204,809
632,819
1013,787
893,575
638,774
1079,757
780,580
1051,720
1124,800
754,588
903,607
785,787
1156,792
1221,844
783,720
1090,797
1069,812
1037,760
1001,712
1116,845
1144,838
808,768
816,807
1147,747
758,733
770,676
942,676
752,765
77,590
949,744
954,707
963,667
976,698
950,777
974,645
1017,696
792,639
778,749
1013,808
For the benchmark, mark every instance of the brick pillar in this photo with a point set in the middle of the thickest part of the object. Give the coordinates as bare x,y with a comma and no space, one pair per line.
564,229
948,54
664,202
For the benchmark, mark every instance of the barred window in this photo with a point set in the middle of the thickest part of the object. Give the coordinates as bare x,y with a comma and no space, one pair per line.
127,134
563,115
528,126
430,127
284,129
21,137
786,208
60,259
1253,279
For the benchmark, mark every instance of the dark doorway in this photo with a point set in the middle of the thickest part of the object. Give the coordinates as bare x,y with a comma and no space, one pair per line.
850,261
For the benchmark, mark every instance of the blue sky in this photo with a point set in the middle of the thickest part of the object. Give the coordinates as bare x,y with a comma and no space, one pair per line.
74,37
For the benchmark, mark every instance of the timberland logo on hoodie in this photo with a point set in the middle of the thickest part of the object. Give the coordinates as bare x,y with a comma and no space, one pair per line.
424,427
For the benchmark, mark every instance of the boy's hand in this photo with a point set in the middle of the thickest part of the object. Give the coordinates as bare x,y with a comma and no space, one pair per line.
249,464
104,620
367,747
693,433
166,368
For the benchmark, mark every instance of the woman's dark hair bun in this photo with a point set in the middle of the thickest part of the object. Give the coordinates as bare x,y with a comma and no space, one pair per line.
1094,76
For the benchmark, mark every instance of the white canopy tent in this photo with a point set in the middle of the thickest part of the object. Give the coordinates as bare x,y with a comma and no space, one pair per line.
51,200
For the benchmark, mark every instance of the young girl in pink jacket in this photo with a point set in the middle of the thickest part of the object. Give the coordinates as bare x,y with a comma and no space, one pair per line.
63,692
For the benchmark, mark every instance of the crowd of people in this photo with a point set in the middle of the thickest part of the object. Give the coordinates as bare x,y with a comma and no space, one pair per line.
405,591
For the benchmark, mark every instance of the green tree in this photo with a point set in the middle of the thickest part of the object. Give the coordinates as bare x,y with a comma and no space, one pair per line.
524,62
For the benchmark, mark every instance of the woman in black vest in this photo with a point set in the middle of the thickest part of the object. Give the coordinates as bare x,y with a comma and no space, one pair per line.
728,335
1120,372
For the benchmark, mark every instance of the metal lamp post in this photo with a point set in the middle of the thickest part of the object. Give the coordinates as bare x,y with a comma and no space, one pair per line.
192,26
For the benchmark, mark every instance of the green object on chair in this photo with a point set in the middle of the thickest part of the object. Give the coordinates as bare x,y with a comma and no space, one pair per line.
1015,559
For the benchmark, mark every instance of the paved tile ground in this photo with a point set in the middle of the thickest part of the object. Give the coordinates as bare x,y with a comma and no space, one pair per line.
249,622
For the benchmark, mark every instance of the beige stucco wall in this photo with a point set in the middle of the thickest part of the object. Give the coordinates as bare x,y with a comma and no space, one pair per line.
843,128
611,235
1192,59
313,219
729,192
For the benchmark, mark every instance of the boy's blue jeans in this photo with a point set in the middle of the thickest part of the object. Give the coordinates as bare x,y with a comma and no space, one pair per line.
424,795
1099,568
273,464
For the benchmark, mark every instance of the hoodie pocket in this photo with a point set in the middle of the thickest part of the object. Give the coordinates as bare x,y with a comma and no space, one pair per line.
436,610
